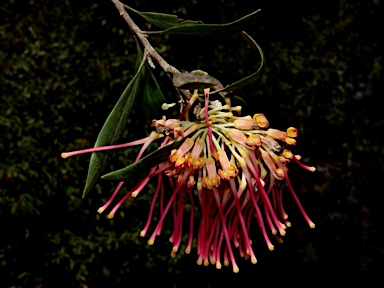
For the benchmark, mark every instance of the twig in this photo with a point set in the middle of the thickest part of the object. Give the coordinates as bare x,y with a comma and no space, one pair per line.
148,47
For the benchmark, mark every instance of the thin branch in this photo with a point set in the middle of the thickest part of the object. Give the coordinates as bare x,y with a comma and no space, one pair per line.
148,47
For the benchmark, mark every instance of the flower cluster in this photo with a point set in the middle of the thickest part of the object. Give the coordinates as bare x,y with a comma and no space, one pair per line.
233,166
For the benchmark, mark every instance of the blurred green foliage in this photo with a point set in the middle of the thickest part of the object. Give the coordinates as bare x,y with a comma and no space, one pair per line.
65,63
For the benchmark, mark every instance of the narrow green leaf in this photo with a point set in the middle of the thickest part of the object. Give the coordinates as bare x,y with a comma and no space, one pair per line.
211,29
153,98
163,21
250,79
112,130
145,164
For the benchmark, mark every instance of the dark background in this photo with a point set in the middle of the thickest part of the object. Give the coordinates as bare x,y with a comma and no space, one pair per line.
63,65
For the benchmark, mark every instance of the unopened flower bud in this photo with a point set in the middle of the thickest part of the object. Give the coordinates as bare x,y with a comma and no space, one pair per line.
292,132
261,120
276,134
290,141
245,124
237,135
253,140
287,154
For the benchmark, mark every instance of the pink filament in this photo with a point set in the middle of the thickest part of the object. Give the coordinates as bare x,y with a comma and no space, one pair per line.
162,216
310,223
101,209
217,198
96,149
189,245
159,186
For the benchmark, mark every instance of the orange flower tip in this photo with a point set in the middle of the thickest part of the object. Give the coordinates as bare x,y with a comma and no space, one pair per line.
171,239
287,154
271,247
253,260
282,232
151,241
206,262
290,141
298,157
274,232
312,225
279,172
187,250
110,216
236,269
173,254
213,261
134,194
218,265
261,120
64,155
253,140
100,210
142,233
199,262
288,224
312,169
226,262
285,216
292,132
174,249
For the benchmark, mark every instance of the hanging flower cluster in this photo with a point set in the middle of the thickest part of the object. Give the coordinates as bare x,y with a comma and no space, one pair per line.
232,167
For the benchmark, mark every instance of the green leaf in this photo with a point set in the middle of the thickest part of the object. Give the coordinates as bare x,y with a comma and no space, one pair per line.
250,79
144,164
153,98
211,29
195,80
163,21
113,128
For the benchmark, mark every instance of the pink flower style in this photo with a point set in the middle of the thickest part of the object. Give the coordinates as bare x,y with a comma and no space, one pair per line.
231,166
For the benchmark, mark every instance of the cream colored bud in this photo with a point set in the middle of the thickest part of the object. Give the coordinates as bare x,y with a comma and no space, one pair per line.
245,124
276,134
237,135
166,106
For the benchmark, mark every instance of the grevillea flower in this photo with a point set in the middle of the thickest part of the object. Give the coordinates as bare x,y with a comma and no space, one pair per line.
232,167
